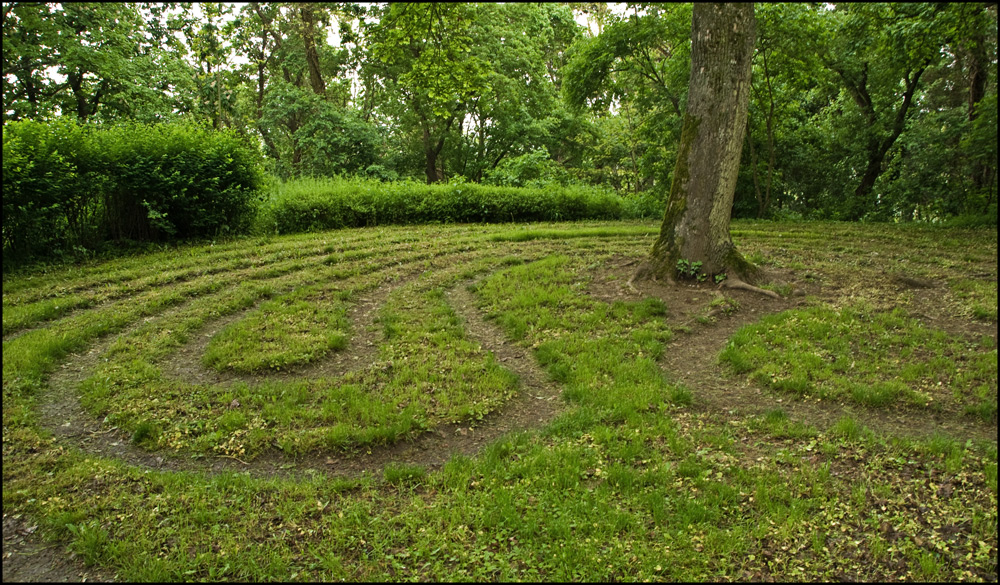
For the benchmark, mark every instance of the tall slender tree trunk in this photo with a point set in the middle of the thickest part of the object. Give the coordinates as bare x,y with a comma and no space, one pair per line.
696,222
312,53
978,74
764,208
218,97
430,158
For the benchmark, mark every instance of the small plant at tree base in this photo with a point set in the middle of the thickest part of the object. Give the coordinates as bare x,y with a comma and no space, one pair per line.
688,269
719,277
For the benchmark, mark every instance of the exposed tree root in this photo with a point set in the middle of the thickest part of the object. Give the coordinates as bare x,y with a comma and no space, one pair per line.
645,271
733,282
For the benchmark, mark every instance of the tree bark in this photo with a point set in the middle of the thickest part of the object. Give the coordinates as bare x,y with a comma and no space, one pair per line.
696,222
312,54
877,149
763,209
430,158
978,74
432,149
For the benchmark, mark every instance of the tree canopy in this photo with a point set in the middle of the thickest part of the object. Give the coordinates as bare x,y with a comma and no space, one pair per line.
876,111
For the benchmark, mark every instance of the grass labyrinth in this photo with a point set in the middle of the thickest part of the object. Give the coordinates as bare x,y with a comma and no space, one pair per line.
471,402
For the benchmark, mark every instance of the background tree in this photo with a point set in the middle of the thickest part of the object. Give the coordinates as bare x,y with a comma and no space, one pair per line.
879,53
633,78
86,60
421,56
296,92
519,111
786,70
881,112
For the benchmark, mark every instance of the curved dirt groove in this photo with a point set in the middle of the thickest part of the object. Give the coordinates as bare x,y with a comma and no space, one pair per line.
28,559
535,404
691,359
185,363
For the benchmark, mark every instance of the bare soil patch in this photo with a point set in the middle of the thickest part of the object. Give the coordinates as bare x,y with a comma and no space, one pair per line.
28,559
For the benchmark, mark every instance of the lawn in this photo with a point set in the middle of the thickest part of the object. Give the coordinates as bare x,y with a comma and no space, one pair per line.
496,402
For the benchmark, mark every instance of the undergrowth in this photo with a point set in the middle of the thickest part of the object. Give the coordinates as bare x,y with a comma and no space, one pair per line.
318,204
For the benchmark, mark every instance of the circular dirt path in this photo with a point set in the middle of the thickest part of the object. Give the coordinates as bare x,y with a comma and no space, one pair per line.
535,404
691,358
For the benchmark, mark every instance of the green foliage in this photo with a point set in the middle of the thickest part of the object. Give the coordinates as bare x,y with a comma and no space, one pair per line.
642,62
111,63
324,140
188,181
427,47
692,270
519,94
68,186
51,189
316,204
534,169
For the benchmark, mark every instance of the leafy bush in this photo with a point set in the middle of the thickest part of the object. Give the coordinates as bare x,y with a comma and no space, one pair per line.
315,204
533,169
312,136
177,181
67,187
49,195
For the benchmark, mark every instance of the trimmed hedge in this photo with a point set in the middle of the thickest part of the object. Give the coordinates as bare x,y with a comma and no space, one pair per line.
321,204
67,186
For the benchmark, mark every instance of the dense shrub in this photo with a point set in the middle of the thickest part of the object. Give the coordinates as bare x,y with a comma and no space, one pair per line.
314,204
310,135
177,181
533,169
68,187
49,199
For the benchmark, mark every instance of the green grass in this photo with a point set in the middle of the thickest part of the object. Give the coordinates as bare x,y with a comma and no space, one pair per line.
281,333
874,358
978,297
524,235
635,480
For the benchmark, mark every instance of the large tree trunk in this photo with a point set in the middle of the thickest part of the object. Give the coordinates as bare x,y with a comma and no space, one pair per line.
696,222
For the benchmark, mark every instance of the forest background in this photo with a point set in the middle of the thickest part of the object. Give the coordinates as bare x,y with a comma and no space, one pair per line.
166,121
